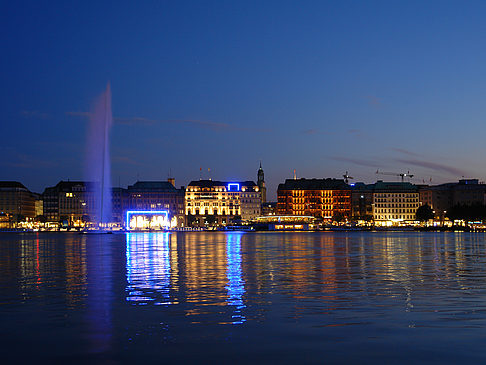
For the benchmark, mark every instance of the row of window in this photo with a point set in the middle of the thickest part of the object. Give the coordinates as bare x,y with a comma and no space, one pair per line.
401,217
395,210
399,205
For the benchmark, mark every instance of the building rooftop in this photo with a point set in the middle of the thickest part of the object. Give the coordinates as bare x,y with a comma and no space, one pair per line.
213,183
161,186
11,185
314,184
395,186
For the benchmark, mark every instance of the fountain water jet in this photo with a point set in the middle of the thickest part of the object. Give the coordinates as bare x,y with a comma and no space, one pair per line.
97,166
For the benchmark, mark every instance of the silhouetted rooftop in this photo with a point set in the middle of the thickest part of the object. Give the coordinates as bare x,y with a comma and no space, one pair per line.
11,185
212,183
314,184
162,186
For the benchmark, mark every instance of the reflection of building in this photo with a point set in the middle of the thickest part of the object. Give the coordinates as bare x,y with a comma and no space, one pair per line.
394,203
69,201
211,202
156,196
324,198
204,268
16,200
148,267
261,184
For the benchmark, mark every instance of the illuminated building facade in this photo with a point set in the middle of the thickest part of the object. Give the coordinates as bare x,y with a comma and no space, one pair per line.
328,199
16,200
70,202
211,202
147,196
39,204
394,203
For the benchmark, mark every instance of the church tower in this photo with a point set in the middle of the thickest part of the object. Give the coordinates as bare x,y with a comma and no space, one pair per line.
261,183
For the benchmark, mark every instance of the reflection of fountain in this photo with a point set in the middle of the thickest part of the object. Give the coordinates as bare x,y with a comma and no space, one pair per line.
100,294
97,169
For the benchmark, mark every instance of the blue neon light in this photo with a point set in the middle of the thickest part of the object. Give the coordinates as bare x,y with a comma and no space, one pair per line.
151,212
234,184
236,282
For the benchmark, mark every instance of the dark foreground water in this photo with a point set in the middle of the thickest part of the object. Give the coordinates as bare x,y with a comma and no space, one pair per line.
234,297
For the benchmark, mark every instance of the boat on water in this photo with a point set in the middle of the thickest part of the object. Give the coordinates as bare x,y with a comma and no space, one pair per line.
96,231
237,228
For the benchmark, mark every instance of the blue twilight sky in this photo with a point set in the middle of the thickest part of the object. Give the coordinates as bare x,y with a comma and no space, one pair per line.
320,87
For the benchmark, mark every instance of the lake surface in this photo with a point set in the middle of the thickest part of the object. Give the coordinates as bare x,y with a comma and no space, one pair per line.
199,297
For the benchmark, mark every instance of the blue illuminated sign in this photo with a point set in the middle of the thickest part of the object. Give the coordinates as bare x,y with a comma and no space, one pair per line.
233,184
129,213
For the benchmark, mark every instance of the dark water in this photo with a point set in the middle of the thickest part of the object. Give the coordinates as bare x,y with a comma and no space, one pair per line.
234,297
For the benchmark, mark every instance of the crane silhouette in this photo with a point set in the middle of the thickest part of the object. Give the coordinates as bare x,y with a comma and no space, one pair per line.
401,174
347,177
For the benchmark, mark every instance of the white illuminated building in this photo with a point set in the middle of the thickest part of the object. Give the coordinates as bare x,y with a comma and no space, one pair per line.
147,220
395,203
211,202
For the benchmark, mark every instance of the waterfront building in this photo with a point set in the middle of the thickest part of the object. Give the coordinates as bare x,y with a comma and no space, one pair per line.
329,199
394,203
211,202
261,184
118,198
285,223
269,208
70,202
38,204
144,199
16,200
5,221
443,197
362,201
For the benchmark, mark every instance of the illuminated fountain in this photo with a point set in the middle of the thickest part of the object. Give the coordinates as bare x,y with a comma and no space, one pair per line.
97,168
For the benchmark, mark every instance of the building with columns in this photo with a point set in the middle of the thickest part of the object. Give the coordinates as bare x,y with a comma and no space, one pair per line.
213,203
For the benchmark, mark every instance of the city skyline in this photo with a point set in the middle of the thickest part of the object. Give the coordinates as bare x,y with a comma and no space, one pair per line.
323,89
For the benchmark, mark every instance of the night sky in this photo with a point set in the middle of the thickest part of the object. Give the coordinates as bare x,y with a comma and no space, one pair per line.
320,87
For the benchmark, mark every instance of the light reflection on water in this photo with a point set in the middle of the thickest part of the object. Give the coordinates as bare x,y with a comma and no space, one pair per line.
116,297
236,285
148,267
151,258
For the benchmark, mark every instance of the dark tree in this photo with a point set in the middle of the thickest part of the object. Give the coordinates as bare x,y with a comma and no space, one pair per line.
210,219
64,220
236,219
475,212
191,219
41,218
19,218
338,217
424,213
